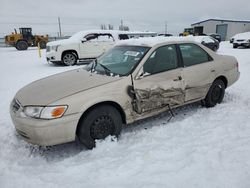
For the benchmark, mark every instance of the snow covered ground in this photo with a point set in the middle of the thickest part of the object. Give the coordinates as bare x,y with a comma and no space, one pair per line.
199,147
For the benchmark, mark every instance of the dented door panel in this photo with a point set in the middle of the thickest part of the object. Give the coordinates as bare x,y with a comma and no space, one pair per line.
198,80
157,91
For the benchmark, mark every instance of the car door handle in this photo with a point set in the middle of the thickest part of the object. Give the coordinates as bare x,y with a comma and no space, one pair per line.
177,79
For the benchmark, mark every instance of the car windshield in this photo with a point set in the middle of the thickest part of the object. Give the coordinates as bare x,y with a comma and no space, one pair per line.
120,60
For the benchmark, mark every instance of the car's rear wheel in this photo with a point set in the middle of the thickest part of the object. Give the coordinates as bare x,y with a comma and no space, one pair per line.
69,59
98,123
215,94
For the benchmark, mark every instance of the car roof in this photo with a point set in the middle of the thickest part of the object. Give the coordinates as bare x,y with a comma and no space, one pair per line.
153,41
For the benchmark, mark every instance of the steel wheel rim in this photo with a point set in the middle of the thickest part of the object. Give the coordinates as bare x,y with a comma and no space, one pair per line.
69,59
102,127
216,93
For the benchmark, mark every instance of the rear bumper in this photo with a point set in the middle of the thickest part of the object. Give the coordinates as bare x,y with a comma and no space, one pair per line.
232,77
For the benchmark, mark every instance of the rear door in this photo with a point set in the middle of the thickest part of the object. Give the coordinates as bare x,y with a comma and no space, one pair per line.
160,83
198,72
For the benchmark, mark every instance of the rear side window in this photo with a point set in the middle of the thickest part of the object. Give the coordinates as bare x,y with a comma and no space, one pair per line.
208,40
99,37
123,37
193,54
162,59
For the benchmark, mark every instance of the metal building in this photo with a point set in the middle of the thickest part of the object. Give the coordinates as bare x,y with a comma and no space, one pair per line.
226,28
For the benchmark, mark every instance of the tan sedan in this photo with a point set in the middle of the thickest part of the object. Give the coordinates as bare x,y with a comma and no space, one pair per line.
134,80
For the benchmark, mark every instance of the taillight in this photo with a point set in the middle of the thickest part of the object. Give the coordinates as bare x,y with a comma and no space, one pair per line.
237,65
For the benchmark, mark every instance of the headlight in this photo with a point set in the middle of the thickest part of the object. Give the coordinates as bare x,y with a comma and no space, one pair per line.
48,112
32,111
55,47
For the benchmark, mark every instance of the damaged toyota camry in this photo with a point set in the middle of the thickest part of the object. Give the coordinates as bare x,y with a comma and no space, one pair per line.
136,79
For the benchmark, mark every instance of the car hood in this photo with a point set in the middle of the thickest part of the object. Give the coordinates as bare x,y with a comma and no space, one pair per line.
61,42
245,36
50,89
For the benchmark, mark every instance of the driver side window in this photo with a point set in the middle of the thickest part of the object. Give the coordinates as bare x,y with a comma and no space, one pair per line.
91,37
162,59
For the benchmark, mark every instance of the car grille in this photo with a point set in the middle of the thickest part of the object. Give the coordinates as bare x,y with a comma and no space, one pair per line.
15,105
48,49
240,40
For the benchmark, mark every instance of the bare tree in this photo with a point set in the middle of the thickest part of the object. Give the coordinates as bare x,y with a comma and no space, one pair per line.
123,27
111,27
103,27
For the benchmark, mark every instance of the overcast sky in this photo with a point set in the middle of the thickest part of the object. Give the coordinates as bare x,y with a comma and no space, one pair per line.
142,15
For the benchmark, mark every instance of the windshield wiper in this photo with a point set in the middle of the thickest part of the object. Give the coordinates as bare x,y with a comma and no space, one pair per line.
106,69
94,64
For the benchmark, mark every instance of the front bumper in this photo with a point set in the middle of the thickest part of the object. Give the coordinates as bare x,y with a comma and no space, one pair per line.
46,132
245,44
53,56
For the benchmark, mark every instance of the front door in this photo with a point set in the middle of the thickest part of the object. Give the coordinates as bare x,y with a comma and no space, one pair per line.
160,83
90,48
96,44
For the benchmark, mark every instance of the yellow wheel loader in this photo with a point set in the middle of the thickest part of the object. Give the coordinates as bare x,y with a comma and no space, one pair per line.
25,39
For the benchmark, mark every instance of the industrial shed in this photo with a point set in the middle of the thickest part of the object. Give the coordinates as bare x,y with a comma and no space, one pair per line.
226,28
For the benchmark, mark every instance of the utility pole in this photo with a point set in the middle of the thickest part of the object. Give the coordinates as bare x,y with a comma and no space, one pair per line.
166,27
122,25
60,29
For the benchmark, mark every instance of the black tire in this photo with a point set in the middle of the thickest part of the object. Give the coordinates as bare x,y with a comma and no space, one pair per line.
215,94
42,44
22,45
235,46
69,59
99,123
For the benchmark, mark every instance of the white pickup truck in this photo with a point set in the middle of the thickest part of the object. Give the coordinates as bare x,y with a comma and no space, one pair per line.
86,45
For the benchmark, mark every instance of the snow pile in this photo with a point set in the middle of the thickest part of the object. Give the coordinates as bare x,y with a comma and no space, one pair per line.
152,41
199,147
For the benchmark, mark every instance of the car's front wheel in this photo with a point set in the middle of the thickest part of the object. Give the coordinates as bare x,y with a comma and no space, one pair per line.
69,59
215,94
98,123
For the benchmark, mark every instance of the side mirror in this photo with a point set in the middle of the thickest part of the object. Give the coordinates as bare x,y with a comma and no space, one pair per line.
84,40
140,74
